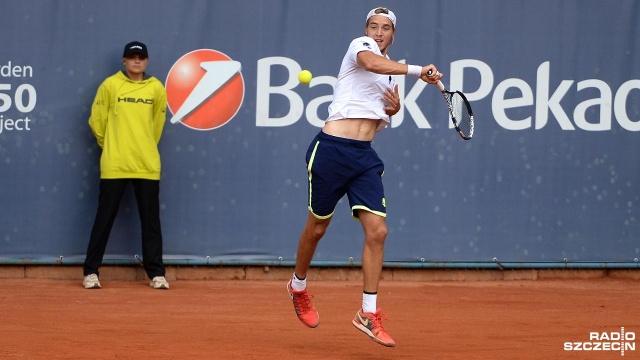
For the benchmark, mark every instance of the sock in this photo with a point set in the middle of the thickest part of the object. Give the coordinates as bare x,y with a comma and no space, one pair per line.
298,284
369,302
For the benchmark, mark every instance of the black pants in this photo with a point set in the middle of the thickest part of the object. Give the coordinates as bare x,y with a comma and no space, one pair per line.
147,196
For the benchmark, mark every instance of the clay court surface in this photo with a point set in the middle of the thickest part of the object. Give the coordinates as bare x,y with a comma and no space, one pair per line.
247,319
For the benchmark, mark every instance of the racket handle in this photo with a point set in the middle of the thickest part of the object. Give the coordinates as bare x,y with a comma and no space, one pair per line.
439,84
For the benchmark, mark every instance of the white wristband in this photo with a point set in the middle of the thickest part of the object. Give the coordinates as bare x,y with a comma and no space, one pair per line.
414,70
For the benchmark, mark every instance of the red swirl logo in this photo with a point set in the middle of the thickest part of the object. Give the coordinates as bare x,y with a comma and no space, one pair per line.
205,89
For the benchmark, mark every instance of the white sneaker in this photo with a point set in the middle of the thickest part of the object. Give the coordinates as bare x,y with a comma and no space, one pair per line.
91,282
159,282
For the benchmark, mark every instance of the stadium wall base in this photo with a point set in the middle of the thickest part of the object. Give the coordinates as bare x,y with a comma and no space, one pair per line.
283,273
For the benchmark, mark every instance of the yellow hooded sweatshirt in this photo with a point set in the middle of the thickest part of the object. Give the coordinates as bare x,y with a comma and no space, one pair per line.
127,118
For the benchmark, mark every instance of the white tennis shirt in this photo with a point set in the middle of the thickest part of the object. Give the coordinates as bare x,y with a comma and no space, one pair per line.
359,93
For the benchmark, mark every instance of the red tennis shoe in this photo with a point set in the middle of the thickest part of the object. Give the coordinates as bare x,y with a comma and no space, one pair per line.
305,310
371,324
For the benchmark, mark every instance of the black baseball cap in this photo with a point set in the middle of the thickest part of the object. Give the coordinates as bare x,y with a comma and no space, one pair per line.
135,47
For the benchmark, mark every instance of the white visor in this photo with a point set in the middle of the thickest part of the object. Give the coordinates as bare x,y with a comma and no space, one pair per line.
391,16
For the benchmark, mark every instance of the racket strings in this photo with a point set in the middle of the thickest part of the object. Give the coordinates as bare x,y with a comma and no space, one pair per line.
461,113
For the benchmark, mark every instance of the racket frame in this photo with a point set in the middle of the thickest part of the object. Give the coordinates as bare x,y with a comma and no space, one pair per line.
447,98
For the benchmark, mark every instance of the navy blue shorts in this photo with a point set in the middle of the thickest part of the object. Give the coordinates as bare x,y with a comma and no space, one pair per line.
338,166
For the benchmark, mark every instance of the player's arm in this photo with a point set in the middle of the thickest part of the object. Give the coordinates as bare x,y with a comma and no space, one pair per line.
381,65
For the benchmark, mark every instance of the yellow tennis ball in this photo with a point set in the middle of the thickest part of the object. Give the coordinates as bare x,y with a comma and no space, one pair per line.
305,76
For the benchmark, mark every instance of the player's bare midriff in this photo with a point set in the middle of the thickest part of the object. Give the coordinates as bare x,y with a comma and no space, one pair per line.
355,129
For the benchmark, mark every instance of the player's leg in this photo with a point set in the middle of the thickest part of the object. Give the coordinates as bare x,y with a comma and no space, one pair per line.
325,188
111,191
369,318
366,197
147,196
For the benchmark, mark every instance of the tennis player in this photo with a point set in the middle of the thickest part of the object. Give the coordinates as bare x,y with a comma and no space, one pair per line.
340,160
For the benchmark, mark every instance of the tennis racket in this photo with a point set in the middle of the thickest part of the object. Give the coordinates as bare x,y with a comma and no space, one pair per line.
459,110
